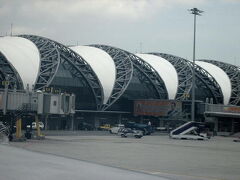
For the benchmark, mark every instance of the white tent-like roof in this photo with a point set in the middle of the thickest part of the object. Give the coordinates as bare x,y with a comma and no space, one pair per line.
102,64
221,77
24,57
165,70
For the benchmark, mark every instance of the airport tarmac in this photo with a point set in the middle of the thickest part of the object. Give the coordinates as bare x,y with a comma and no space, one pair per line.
19,164
214,159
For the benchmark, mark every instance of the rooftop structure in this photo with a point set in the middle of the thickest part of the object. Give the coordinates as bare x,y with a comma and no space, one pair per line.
105,77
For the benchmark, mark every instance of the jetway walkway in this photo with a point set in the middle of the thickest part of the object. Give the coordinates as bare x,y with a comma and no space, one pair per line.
36,101
17,104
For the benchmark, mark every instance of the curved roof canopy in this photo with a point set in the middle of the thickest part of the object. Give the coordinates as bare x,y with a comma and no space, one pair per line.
102,64
221,77
165,70
24,57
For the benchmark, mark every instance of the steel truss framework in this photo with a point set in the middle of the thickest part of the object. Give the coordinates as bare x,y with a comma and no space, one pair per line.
49,60
149,76
210,82
8,72
233,73
124,72
184,70
52,54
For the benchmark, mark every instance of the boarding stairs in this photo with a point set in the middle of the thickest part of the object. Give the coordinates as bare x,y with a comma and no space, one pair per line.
188,130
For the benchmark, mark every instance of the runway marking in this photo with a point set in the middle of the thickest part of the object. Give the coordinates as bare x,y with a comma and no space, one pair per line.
177,175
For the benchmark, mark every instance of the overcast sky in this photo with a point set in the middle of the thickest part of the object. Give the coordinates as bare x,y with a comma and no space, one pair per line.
159,25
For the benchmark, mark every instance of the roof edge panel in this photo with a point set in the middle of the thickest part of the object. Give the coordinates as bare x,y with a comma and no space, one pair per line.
102,64
19,51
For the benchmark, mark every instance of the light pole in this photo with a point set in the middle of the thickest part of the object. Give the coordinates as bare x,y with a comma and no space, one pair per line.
195,12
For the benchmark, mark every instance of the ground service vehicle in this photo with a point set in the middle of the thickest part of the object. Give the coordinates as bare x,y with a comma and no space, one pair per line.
128,132
190,130
146,129
105,127
34,125
116,129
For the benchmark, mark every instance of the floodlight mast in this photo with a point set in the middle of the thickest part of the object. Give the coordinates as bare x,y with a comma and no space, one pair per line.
195,12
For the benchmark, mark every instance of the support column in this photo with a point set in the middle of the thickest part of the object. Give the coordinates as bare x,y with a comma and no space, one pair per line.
19,128
120,119
72,122
96,121
215,126
37,126
233,127
46,122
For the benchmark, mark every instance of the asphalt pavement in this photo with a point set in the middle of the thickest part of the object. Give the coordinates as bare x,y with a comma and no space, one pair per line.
20,164
215,159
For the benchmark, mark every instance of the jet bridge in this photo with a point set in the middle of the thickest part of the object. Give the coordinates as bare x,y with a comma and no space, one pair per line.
37,102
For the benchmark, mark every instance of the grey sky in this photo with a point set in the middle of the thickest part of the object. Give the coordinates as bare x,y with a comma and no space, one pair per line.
160,25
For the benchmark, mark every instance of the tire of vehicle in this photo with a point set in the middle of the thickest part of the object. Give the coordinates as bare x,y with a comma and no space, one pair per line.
123,136
110,131
138,137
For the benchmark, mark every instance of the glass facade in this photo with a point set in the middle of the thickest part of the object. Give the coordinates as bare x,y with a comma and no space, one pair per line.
202,91
139,88
68,83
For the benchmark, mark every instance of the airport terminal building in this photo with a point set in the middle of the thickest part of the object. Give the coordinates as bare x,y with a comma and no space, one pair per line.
114,86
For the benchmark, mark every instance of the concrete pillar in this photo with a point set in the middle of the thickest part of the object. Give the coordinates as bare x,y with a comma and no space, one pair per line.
46,122
215,125
120,119
72,122
233,128
96,121
37,126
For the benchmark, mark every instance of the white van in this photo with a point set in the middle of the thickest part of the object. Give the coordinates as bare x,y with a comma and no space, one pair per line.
116,129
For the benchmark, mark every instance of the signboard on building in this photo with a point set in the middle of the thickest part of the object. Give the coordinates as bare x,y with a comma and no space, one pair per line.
52,90
157,107
232,109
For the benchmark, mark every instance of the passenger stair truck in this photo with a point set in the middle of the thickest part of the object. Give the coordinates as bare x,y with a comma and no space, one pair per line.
189,130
